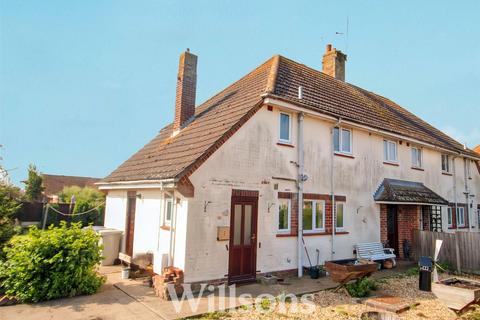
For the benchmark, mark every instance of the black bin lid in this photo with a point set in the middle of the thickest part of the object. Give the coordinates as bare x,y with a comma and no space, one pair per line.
425,262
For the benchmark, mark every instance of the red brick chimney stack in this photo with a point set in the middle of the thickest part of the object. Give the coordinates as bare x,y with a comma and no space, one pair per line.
334,63
186,89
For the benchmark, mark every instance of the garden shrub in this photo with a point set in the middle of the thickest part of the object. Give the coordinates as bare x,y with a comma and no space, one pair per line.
54,263
361,287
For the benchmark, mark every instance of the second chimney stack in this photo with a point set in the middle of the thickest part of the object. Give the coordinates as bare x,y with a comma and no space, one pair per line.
334,63
186,89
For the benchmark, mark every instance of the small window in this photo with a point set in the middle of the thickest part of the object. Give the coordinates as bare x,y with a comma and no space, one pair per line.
417,157
390,151
461,216
285,127
313,216
167,219
342,140
340,223
284,214
446,165
449,217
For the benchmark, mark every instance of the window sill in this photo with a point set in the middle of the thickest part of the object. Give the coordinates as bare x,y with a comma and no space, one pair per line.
285,144
164,227
395,164
311,234
284,235
418,168
447,173
345,155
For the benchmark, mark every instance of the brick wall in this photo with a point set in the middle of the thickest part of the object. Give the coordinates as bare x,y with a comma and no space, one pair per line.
186,89
334,63
408,219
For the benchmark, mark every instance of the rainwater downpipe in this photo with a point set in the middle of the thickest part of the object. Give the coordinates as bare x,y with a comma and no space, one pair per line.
455,193
467,192
332,185
301,175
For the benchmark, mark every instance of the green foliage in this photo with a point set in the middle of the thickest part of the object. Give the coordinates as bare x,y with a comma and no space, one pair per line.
9,206
361,287
85,199
413,271
49,264
33,184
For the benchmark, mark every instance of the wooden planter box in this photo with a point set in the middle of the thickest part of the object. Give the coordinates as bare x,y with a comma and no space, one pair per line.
456,293
343,271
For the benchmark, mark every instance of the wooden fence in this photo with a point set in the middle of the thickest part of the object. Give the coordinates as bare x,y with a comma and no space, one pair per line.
461,250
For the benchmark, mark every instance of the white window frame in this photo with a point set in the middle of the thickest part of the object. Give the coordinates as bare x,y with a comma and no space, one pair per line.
289,141
340,141
414,159
167,222
462,211
450,217
342,228
386,153
289,223
314,215
449,163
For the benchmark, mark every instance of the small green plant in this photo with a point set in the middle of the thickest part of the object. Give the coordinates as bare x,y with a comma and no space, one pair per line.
414,271
361,287
265,304
49,264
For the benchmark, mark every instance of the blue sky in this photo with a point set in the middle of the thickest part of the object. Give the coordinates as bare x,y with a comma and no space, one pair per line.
84,84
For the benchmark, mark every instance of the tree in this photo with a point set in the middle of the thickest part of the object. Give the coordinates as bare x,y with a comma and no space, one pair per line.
9,206
86,198
33,185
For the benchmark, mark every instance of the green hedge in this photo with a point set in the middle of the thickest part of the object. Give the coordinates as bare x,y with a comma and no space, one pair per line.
54,263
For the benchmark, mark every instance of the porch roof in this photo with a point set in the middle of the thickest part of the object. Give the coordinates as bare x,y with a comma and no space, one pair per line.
401,191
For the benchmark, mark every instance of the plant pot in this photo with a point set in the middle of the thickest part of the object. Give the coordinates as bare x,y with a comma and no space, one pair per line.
125,273
314,272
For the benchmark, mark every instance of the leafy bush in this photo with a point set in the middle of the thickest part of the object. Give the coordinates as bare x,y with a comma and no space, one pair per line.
361,287
9,206
85,199
50,264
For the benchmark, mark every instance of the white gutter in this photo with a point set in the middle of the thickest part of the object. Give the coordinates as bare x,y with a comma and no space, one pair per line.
138,184
412,203
300,193
293,107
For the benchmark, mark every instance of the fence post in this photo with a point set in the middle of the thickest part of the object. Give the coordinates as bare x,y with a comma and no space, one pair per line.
457,252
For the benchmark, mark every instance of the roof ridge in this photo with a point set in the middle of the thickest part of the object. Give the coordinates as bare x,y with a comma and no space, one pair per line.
272,77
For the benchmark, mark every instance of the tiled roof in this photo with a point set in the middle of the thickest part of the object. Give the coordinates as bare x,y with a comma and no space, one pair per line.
398,191
53,183
477,149
219,117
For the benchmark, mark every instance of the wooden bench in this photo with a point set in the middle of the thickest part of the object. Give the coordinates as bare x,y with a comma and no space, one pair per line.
375,251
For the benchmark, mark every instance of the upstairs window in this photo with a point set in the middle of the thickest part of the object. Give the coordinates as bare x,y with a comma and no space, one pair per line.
446,163
417,157
390,153
285,127
284,213
313,216
342,140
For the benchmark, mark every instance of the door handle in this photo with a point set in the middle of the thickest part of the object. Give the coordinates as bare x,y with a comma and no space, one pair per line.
253,237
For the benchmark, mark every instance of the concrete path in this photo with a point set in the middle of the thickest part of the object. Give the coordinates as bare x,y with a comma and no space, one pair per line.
131,299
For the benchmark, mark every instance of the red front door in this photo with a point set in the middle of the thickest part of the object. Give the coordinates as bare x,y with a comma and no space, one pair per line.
243,239
130,229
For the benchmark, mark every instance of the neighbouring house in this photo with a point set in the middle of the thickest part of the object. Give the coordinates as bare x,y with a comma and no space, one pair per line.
53,184
217,192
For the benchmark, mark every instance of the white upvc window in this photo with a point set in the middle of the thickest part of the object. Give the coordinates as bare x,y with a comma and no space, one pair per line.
460,216
446,163
342,140
285,128
284,215
417,157
313,216
450,217
340,216
168,211
390,153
